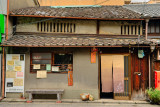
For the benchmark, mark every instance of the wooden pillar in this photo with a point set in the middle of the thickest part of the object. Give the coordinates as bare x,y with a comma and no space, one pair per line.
146,31
7,20
3,73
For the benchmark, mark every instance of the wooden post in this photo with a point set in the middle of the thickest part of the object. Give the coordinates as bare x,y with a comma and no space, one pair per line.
146,32
3,74
149,71
7,19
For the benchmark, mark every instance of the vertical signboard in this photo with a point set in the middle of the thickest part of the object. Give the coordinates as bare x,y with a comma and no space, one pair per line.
15,70
70,78
93,55
157,80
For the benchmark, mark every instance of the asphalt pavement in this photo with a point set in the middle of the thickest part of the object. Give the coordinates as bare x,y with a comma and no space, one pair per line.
49,104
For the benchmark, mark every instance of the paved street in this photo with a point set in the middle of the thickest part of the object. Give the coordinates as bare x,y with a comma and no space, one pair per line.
49,104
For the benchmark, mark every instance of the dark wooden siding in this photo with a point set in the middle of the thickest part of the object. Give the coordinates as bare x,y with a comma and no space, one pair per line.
139,66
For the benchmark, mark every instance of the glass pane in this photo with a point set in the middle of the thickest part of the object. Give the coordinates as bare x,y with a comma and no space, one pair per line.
41,56
157,28
152,29
63,59
41,62
149,27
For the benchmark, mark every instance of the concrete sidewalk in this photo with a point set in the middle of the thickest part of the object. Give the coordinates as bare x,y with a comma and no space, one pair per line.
78,101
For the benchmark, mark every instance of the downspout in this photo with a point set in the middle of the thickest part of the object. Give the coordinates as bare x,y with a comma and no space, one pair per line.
3,62
3,74
7,19
146,31
149,61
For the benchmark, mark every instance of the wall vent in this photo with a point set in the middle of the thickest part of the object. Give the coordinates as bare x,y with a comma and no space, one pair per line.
56,27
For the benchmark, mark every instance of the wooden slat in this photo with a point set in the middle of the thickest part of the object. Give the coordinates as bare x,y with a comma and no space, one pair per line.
126,30
137,29
141,30
130,30
123,30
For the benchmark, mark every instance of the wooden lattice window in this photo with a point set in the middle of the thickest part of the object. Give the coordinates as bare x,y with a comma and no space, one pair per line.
60,62
131,30
56,27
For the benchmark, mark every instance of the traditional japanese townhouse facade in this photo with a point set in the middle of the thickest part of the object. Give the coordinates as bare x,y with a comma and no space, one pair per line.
101,50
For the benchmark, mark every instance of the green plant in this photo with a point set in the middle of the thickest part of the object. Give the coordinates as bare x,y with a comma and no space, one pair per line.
153,95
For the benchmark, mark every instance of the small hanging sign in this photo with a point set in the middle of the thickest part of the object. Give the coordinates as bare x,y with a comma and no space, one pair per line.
70,78
140,54
93,55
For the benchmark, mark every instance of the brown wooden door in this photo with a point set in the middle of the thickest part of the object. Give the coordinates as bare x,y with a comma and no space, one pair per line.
140,76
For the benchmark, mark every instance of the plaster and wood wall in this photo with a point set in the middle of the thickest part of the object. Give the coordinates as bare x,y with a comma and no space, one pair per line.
71,26
85,76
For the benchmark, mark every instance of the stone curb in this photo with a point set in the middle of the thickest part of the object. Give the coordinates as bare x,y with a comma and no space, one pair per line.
79,101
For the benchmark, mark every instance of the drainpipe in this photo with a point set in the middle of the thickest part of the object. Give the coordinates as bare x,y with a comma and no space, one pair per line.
146,31
3,74
7,19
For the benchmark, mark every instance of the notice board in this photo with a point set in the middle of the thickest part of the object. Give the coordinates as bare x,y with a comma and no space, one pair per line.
15,70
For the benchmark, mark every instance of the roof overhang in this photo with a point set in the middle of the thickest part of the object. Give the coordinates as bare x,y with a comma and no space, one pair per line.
76,41
74,17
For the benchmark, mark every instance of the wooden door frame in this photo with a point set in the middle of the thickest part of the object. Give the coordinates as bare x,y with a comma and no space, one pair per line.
129,74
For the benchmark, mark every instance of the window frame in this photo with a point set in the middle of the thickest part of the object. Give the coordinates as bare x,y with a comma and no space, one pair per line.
52,61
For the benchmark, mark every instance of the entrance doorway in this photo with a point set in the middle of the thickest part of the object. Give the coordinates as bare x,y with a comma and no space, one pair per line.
114,76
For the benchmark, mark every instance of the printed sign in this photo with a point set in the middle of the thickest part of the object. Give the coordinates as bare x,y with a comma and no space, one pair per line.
18,82
10,74
18,68
10,62
36,66
19,74
48,67
41,74
55,68
15,57
15,70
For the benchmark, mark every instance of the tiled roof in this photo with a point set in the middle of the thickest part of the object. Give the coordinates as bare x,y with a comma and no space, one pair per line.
54,41
102,12
151,10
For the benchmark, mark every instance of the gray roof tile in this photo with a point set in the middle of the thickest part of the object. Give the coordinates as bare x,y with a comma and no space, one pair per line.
51,41
151,10
103,12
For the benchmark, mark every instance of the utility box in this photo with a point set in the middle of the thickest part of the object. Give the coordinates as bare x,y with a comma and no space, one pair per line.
157,80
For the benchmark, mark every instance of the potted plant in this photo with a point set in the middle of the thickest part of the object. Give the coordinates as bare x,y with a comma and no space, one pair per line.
153,95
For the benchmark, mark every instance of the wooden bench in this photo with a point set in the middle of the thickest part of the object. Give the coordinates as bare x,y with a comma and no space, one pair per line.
59,92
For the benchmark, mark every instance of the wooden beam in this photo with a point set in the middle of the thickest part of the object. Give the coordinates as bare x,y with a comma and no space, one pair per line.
75,17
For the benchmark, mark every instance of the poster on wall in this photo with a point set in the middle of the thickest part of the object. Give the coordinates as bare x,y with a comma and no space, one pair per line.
15,70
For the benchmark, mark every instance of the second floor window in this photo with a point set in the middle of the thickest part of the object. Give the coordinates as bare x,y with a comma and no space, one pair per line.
154,27
56,27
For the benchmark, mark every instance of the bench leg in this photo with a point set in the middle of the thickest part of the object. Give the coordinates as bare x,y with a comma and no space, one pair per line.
59,98
30,98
